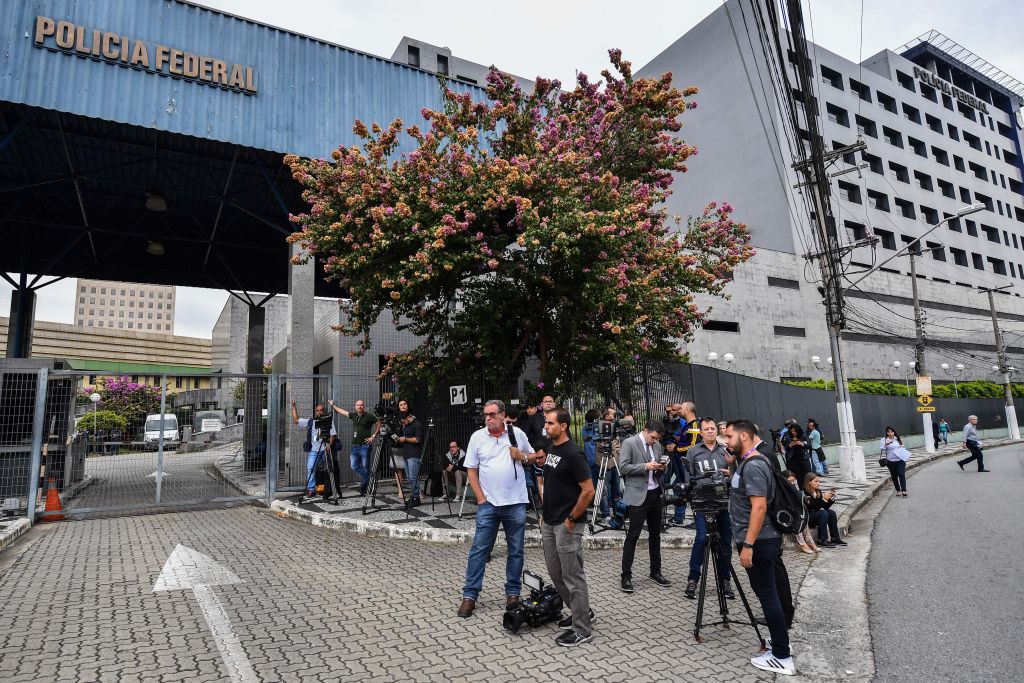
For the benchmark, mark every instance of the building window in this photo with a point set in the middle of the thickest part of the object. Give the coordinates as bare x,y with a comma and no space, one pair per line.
938,251
150,304
972,227
442,65
991,233
941,156
911,114
931,216
149,326
874,163
905,81
414,56
979,264
151,295
783,331
862,91
998,266
82,289
81,311
928,92
946,188
160,295
958,164
100,324
954,134
924,181
167,326
905,208
837,115
920,149
122,292
120,324
785,283
92,290
721,326
893,137
177,382
878,200
885,102
959,256
832,77
865,126
984,199
857,231
888,239
103,290
901,172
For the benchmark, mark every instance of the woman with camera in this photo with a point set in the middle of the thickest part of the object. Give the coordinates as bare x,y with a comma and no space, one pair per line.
797,461
820,512
895,457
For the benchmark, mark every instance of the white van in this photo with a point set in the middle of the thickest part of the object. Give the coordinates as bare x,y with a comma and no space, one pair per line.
151,435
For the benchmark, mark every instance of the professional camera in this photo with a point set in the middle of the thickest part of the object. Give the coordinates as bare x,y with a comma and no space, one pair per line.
706,493
390,422
620,429
543,605
322,427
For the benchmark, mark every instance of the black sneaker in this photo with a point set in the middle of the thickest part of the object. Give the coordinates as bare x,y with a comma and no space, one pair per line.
691,590
627,584
571,639
660,580
727,590
567,622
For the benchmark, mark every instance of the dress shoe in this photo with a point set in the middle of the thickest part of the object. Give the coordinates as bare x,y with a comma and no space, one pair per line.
627,583
984,470
467,607
660,580
961,465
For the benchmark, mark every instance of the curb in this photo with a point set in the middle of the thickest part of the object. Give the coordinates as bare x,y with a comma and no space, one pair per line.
12,531
287,509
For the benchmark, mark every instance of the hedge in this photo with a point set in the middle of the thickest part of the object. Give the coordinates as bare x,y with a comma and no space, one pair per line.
974,389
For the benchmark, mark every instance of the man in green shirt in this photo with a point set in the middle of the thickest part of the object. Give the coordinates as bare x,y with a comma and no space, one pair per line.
364,430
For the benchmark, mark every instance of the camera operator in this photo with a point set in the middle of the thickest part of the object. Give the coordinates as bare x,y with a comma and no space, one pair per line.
364,430
685,436
709,456
570,490
411,441
455,469
642,465
757,540
610,494
497,476
320,435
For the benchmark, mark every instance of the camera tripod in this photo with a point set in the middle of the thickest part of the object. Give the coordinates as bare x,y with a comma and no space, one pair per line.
382,448
604,451
713,552
428,453
326,453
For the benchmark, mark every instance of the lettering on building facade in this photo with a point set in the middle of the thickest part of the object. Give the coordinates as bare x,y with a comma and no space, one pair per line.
928,78
114,48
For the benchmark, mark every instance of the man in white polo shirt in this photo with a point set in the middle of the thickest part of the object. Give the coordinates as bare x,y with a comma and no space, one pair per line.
498,479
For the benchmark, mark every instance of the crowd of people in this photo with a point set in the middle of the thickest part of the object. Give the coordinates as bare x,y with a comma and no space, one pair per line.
624,474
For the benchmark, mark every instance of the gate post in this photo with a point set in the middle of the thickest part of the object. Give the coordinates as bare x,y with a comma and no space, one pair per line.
273,435
160,443
38,419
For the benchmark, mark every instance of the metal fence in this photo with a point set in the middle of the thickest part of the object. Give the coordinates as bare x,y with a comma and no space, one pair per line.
112,446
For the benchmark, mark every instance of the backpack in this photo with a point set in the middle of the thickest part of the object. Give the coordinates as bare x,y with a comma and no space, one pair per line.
786,508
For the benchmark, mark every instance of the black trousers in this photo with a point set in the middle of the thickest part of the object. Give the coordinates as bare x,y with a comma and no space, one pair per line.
976,454
649,511
783,589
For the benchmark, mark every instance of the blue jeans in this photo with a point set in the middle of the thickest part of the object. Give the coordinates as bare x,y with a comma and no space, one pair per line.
680,463
513,519
311,472
412,475
819,466
360,462
611,491
762,580
724,523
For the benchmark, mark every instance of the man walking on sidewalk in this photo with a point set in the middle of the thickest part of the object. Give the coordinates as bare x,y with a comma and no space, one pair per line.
973,444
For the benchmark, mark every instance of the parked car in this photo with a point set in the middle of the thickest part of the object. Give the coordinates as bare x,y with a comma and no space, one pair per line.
152,429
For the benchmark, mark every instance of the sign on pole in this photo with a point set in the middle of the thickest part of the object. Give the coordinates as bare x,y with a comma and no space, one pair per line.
924,385
924,401
457,395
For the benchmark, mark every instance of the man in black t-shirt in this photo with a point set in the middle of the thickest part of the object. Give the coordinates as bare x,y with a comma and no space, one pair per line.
568,491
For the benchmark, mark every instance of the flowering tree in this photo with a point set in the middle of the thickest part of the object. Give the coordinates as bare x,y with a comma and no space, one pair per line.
130,400
530,225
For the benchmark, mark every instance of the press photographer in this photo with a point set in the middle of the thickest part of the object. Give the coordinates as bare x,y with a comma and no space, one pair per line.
642,463
757,539
320,433
705,460
411,442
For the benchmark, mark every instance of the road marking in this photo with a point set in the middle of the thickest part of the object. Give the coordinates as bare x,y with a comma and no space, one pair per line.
157,474
187,569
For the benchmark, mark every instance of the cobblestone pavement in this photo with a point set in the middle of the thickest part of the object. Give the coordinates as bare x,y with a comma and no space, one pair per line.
315,605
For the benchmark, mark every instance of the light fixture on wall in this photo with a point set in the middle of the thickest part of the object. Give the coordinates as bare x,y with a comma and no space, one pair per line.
154,248
816,362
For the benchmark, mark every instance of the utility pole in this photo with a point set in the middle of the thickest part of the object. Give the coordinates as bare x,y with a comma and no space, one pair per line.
1004,367
851,456
926,418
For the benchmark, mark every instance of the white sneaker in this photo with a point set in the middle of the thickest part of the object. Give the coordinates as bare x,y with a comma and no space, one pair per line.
769,662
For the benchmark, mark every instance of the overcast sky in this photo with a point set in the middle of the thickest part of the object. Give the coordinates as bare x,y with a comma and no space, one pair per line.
555,38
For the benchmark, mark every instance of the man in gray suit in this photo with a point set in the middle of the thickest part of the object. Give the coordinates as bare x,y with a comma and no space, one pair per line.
641,466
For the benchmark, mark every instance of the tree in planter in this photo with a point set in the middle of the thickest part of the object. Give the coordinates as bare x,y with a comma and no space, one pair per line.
530,225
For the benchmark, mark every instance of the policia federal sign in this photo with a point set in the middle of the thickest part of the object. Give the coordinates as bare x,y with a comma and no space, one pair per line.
114,48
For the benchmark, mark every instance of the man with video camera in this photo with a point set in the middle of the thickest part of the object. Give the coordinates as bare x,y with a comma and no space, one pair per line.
569,492
642,464
757,539
411,441
496,459
704,458
320,435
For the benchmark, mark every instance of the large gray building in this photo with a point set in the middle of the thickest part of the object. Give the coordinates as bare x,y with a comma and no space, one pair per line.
942,132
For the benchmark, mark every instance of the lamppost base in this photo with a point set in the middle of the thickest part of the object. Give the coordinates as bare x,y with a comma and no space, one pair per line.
851,464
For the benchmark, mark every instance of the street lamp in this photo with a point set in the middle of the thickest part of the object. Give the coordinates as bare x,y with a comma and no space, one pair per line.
728,358
897,365
816,362
713,359
95,398
959,370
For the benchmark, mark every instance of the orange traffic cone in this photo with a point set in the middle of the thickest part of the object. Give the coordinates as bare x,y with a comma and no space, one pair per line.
52,503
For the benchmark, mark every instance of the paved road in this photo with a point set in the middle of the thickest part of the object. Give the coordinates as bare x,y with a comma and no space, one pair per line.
317,605
944,579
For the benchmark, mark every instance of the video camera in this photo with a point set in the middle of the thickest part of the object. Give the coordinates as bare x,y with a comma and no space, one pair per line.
619,429
322,428
706,493
390,423
543,605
